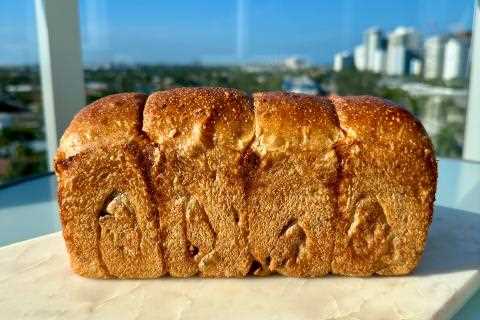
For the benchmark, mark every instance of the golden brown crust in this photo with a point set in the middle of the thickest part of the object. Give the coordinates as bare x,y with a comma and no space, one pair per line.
200,135
209,181
113,119
290,200
193,118
386,189
109,218
286,119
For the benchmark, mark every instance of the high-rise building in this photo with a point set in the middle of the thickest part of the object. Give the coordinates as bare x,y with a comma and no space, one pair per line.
396,60
456,57
434,57
403,44
342,60
359,57
379,61
372,41
415,67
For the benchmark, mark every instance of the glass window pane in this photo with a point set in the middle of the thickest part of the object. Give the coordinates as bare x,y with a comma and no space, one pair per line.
415,53
22,139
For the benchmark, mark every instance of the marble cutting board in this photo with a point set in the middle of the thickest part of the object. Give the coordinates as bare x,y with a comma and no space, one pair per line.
36,283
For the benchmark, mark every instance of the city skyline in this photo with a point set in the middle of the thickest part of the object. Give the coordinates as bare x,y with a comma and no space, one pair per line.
225,31
405,51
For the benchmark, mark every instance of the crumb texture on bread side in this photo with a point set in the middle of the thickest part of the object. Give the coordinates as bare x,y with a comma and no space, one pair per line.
214,183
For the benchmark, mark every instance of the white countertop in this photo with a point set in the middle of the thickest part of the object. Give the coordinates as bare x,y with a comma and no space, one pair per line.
36,283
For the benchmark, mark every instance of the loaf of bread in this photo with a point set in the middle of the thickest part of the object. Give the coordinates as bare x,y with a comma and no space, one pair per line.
215,183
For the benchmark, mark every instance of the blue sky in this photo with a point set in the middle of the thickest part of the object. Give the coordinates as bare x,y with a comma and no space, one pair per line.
226,30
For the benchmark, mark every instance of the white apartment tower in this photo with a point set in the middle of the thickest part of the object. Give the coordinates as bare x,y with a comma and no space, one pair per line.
415,67
360,58
372,41
379,61
396,56
402,42
456,57
434,57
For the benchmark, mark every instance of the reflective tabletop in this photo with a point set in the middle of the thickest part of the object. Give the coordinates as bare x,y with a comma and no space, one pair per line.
28,209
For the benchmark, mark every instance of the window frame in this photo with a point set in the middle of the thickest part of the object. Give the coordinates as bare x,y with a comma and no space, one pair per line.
61,67
471,146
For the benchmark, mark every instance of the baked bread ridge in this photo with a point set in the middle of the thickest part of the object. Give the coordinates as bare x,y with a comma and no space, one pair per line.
290,196
386,188
200,135
108,214
115,118
188,183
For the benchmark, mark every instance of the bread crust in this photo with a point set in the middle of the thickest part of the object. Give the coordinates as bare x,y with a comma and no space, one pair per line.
113,119
291,203
386,189
200,135
111,230
212,182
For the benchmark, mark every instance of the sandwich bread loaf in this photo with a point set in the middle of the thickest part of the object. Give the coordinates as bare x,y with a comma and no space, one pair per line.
215,183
